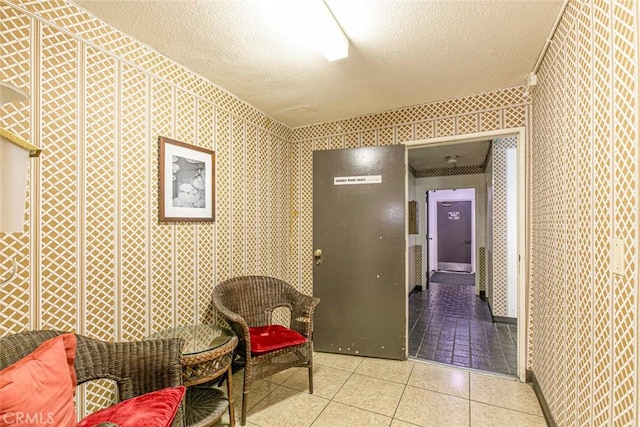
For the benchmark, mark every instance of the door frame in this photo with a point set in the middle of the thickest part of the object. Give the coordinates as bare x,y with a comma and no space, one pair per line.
479,206
523,221
473,220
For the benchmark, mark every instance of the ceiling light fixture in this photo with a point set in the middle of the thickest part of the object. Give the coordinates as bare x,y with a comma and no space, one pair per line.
312,22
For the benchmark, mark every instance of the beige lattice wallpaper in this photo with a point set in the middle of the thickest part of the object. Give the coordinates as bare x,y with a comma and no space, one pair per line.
94,258
584,175
499,290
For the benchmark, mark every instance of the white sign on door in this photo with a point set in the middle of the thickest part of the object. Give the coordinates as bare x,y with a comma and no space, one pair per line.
354,180
454,216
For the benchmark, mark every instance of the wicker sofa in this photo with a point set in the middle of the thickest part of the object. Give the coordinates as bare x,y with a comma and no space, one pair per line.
136,367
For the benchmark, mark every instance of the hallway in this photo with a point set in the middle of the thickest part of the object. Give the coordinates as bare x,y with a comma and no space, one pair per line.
449,324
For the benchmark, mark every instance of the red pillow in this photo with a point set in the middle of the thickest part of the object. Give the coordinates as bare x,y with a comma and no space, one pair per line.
154,409
273,337
38,389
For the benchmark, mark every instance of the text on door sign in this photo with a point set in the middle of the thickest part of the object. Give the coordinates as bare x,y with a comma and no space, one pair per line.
354,180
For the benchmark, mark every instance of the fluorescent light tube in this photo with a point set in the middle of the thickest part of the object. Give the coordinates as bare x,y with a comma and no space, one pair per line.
312,22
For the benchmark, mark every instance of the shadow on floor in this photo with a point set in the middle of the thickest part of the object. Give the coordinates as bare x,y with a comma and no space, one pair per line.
449,324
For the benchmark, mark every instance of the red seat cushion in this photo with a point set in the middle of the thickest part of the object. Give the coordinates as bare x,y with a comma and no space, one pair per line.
265,339
155,409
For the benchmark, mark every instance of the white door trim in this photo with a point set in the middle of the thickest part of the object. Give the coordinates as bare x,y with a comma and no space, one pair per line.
523,225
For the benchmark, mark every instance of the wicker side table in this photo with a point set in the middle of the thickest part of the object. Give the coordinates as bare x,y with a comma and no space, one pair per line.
206,356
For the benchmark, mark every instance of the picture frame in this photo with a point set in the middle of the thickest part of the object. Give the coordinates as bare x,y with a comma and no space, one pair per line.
186,184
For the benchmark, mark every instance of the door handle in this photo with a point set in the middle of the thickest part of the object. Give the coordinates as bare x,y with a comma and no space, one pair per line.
467,242
317,254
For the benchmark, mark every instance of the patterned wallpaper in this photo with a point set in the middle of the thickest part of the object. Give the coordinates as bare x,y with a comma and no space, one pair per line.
507,108
464,170
94,257
482,269
499,295
584,176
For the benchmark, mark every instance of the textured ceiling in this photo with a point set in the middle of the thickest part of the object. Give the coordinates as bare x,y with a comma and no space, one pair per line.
401,52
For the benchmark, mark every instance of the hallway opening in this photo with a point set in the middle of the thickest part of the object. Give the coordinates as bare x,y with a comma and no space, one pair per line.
450,321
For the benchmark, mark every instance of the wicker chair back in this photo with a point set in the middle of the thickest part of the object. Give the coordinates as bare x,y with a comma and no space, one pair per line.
136,367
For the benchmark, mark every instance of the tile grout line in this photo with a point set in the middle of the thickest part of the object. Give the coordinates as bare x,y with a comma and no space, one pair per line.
468,323
469,400
505,408
404,390
343,384
327,401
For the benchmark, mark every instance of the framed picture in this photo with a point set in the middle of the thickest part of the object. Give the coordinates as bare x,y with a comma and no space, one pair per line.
187,182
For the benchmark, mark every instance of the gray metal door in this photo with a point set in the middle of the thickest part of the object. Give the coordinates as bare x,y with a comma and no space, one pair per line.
359,251
454,236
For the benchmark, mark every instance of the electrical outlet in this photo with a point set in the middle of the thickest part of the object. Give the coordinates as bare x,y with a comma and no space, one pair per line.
617,256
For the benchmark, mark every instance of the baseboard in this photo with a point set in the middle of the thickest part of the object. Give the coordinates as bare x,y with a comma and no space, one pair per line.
509,320
415,290
543,402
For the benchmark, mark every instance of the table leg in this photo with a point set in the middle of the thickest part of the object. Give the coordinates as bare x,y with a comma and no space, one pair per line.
232,412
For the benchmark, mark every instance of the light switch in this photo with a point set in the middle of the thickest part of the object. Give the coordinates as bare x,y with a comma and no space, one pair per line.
617,256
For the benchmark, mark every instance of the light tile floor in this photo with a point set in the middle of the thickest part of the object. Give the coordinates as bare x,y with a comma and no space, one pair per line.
355,391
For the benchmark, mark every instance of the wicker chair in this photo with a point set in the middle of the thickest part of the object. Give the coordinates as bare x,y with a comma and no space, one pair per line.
248,302
136,367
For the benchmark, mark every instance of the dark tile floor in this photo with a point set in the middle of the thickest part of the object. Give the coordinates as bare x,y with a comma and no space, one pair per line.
448,323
